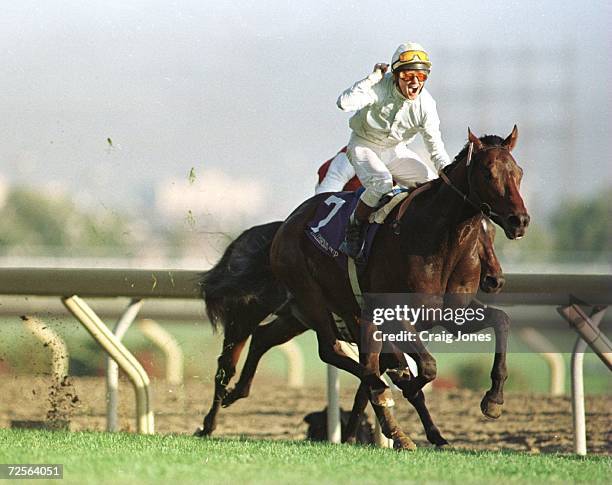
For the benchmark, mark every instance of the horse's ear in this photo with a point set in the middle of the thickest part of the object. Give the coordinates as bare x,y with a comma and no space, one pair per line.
474,139
510,142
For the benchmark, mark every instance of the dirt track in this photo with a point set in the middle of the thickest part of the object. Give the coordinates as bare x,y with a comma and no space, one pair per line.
534,423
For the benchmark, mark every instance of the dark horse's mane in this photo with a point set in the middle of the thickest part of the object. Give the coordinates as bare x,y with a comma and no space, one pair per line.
487,140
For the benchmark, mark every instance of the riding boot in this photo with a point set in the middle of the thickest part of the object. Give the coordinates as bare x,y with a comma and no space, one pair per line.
354,239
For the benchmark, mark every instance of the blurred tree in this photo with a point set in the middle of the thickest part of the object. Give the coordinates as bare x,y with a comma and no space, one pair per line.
581,227
534,246
35,223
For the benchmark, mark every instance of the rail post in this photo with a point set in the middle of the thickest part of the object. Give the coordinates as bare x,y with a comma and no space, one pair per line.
550,354
126,361
112,370
168,345
578,319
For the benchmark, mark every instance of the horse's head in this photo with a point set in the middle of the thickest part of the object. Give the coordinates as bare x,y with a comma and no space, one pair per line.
491,274
495,179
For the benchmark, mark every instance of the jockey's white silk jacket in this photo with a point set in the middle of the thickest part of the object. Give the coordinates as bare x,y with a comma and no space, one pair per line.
385,117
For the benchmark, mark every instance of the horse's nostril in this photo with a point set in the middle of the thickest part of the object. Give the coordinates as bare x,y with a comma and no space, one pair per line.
494,282
491,281
520,220
514,221
525,219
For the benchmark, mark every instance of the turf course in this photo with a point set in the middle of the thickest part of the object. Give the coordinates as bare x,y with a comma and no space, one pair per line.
130,458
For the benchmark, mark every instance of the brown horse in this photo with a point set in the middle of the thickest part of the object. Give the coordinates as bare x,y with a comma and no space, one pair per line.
435,253
240,288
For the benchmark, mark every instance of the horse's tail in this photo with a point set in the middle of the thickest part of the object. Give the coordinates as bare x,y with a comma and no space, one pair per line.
242,274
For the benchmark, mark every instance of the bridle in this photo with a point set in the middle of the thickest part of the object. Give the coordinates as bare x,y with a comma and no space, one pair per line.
482,207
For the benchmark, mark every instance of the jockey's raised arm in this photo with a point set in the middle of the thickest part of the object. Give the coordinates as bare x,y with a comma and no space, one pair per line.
361,94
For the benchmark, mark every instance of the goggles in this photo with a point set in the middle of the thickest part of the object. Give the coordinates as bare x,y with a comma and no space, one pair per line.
410,55
408,75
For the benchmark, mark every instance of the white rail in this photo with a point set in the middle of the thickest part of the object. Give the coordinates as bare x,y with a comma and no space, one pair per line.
125,360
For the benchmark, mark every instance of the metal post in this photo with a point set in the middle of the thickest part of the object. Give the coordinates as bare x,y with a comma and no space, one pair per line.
578,412
587,329
112,370
334,432
126,361
168,345
578,409
295,364
549,353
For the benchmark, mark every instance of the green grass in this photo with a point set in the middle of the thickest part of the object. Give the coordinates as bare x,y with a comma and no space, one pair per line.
130,458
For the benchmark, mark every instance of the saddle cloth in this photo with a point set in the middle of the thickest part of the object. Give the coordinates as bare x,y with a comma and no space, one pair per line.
328,227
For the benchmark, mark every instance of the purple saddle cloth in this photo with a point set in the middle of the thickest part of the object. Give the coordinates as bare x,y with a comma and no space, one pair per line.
327,229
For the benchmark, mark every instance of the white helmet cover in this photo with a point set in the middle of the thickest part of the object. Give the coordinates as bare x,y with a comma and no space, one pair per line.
410,55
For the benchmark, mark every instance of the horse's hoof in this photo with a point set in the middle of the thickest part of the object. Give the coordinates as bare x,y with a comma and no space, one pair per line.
351,440
435,437
205,430
403,443
232,396
200,433
439,441
228,401
491,409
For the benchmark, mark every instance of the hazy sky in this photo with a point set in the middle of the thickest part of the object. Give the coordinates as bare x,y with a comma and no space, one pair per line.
249,88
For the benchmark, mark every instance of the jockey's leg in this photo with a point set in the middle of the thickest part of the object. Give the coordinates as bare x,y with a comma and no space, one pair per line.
338,174
407,168
377,180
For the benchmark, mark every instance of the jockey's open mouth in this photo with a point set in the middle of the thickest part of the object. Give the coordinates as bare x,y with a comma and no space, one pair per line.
413,90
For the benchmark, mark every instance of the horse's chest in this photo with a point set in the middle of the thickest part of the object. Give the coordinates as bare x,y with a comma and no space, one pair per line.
424,275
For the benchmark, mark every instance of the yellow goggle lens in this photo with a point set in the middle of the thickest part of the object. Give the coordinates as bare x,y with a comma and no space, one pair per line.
410,55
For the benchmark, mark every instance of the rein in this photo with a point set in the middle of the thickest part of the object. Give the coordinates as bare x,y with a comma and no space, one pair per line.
483,207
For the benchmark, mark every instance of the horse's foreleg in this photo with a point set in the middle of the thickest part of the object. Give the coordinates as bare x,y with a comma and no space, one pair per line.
359,404
402,379
361,400
426,366
279,331
493,400
331,353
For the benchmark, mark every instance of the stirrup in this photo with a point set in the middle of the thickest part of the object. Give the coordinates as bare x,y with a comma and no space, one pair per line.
354,248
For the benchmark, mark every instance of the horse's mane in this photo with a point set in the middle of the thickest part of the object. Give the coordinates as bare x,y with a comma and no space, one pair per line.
487,140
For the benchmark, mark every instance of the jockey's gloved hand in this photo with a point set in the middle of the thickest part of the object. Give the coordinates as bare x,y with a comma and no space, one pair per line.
382,67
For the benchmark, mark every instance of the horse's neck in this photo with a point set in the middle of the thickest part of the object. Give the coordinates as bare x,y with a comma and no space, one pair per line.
446,205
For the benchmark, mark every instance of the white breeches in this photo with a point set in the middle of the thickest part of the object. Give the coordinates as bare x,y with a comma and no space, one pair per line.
377,166
338,174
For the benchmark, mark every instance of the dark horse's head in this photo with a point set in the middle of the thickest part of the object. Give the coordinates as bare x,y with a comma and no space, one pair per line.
495,180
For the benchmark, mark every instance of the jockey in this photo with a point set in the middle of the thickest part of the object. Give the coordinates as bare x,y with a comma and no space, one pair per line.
391,109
